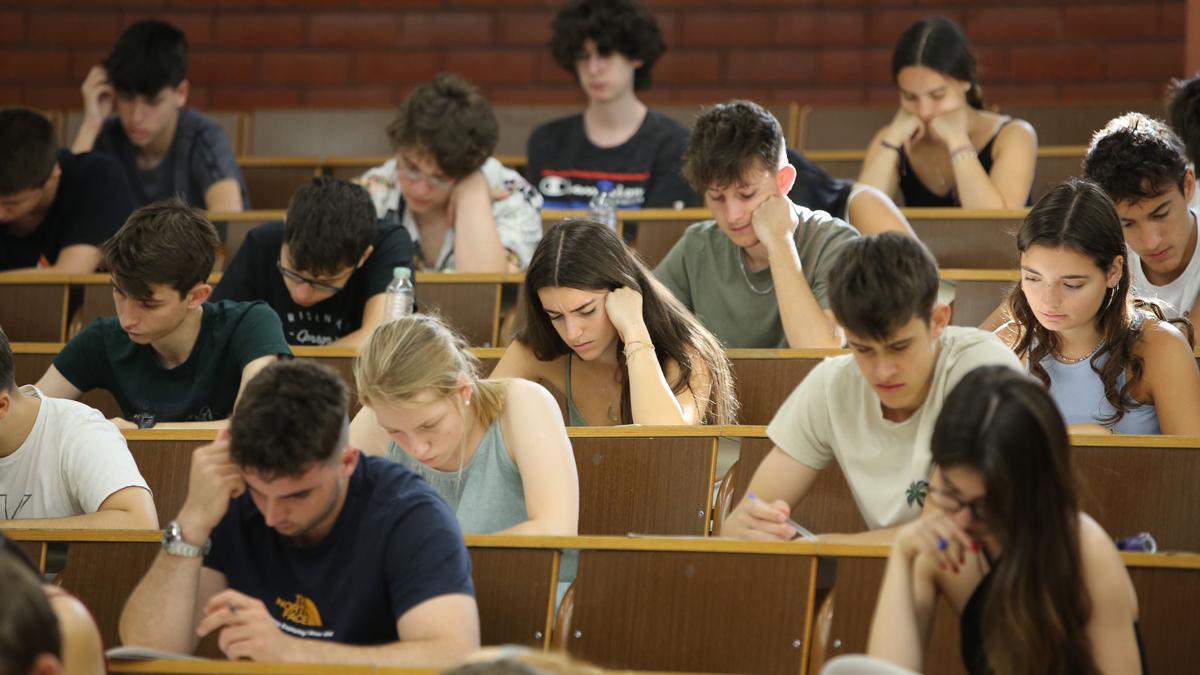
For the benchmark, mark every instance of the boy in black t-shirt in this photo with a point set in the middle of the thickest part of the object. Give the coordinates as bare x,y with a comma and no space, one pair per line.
56,209
165,148
167,356
610,47
325,269
295,547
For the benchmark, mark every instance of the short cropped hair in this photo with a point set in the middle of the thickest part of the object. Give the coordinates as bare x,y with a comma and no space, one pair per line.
727,141
149,56
291,416
28,625
330,223
1135,157
166,242
28,150
621,26
8,373
881,283
1183,113
449,119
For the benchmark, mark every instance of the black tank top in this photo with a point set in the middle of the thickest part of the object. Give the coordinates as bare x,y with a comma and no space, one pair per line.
816,189
970,626
916,194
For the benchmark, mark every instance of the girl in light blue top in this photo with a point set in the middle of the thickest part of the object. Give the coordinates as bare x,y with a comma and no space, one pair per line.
495,450
1111,360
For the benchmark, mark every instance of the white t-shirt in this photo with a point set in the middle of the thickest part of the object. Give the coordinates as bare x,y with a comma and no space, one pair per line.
1179,294
836,414
72,460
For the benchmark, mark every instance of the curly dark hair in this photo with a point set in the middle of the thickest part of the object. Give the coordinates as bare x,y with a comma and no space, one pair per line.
291,416
727,140
621,26
166,242
449,119
1183,113
330,223
1135,157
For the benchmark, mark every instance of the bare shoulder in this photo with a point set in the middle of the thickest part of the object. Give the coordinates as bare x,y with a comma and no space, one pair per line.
1162,341
522,395
1017,131
519,361
1099,557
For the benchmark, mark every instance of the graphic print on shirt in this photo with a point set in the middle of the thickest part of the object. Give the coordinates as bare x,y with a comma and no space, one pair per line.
297,324
574,188
16,509
303,611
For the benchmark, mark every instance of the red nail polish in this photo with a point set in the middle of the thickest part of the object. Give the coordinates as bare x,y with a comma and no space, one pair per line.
975,546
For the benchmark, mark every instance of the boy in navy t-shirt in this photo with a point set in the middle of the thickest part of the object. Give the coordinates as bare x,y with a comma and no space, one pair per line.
293,546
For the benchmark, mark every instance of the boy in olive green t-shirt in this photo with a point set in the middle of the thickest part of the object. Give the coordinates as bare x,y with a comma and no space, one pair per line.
166,356
760,248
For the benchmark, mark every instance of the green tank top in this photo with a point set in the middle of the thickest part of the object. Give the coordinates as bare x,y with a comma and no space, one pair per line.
574,417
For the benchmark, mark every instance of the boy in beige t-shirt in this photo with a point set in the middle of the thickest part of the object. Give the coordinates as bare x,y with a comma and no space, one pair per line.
873,411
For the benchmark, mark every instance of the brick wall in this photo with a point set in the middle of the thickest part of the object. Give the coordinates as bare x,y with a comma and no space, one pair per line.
272,53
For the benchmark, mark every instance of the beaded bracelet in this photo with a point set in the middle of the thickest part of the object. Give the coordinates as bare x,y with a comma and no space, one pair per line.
636,346
964,151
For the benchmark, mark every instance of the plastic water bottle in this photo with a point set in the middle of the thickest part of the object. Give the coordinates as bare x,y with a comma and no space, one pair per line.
603,206
400,294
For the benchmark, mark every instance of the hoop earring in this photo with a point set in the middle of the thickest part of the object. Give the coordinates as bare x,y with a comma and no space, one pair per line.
1109,301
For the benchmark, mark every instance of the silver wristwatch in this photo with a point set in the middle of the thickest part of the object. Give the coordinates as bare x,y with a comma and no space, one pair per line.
173,543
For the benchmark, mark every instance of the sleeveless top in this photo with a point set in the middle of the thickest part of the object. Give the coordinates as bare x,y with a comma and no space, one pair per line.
816,189
1079,394
574,417
916,194
487,495
970,626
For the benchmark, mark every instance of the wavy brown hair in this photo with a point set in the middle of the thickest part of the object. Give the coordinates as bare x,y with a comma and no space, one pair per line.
589,256
1006,426
1078,215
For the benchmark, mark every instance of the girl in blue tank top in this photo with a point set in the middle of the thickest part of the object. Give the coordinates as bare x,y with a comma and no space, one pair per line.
1038,584
1111,361
495,450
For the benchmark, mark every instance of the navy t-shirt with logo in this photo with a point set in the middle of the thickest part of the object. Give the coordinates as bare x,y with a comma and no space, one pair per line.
564,166
394,545
252,275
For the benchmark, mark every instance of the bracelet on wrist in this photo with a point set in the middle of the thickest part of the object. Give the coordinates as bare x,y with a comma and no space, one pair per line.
634,346
890,146
961,152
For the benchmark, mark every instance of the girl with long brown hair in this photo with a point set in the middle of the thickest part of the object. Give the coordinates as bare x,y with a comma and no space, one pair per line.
597,327
1039,585
1111,360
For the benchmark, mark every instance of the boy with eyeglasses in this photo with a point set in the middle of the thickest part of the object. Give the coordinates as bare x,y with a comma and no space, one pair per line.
325,270
463,209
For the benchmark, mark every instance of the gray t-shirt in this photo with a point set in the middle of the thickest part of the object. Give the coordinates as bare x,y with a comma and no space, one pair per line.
199,156
704,270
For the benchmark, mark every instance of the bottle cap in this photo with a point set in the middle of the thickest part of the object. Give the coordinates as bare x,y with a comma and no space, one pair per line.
401,273
604,185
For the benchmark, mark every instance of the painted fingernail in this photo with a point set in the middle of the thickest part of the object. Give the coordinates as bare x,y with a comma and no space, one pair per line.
941,544
975,546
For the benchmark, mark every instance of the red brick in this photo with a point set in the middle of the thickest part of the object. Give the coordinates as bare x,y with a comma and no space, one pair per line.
822,95
223,68
355,97
449,29
491,66
1145,61
198,27
1120,22
387,4
709,95
720,29
885,26
1054,63
229,98
305,68
82,62
495,4
198,97
72,29
396,66
660,95
1006,25
880,94
848,66
29,65
1001,94
772,67
11,95
836,29
688,66
260,30
525,95
1173,20
547,71
992,63
1117,91
52,97
375,29
523,28
14,28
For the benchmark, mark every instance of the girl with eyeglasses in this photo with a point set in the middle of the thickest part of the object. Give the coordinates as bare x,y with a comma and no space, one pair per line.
1038,585
1111,361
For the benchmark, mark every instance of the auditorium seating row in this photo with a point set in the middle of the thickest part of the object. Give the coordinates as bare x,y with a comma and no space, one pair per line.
360,131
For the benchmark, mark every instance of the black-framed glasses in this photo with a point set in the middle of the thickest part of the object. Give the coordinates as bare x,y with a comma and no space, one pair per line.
952,504
297,278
